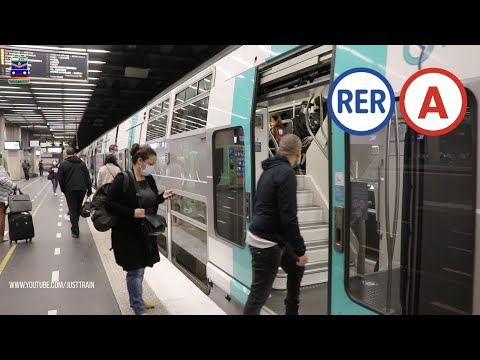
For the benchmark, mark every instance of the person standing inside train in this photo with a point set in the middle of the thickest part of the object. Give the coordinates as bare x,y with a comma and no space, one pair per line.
274,236
134,250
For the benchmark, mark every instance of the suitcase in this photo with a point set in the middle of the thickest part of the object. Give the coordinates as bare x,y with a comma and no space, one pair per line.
20,226
19,202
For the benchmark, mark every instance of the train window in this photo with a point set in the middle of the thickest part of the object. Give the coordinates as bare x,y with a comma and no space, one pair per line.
191,91
411,218
190,117
194,209
205,84
157,128
189,248
155,111
229,184
180,98
166,105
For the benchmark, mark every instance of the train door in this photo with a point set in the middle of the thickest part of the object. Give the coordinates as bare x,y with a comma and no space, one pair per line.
285,86
402,212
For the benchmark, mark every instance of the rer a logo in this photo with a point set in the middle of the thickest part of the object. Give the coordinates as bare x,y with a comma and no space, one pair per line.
19,70
433,101
361,101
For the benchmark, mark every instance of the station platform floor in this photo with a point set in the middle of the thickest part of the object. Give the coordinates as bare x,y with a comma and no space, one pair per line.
96,284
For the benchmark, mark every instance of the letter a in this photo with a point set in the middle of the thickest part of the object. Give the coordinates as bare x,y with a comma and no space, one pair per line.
433,92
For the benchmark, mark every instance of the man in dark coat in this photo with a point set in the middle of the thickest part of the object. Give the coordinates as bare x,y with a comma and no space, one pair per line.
274,236
74,181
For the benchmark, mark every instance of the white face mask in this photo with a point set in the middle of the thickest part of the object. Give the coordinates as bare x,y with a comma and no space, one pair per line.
149,170
54,163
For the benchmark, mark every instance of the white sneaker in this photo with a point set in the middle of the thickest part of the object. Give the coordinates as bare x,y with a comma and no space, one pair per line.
66,217
56,194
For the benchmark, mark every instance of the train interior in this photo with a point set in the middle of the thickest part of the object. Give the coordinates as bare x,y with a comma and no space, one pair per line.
283,89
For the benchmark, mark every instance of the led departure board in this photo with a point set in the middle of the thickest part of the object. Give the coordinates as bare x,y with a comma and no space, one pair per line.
45,64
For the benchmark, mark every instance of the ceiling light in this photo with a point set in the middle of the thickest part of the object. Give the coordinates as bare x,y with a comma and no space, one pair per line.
98,51
15,92
17,97
96,62
93,78
61,83
61,89
48,47
10,87
96,71
62,94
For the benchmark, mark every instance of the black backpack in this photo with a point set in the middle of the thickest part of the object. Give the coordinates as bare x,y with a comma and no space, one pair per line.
101,218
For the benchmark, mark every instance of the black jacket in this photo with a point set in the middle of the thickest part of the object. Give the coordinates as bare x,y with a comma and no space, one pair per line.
300,126
73,175
132,249
275,209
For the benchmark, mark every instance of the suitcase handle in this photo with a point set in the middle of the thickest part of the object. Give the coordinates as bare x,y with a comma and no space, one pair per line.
19,191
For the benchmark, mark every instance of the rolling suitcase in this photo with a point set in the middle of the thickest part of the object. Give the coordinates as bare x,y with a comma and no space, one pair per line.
20,226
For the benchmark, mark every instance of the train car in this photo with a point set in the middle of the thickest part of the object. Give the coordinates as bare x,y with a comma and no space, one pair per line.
414,252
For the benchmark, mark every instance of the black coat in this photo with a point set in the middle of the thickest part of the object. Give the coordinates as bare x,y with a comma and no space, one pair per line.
275,211
73,175
132,249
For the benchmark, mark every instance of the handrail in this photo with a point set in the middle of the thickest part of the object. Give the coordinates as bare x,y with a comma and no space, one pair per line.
307,122
274,141
391,236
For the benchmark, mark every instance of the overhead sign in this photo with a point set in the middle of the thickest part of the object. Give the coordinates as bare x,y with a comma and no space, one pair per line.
44,64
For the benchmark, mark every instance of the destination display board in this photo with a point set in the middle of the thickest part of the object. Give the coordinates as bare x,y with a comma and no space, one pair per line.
43,64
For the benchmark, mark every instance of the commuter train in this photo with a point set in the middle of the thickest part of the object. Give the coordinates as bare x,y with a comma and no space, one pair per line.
410,250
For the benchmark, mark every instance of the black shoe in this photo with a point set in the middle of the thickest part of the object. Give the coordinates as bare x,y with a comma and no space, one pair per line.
75,235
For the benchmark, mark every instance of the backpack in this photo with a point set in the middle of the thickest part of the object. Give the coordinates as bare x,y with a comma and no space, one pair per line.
101,218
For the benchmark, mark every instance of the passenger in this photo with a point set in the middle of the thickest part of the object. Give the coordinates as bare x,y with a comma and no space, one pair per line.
26,169
53,176
300,129
132,249
274,236
277,129
112,149
107,172
40,167
7,186
315,121
74,181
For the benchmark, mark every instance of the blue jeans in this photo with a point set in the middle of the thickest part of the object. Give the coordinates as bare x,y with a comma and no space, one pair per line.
134,286
54,184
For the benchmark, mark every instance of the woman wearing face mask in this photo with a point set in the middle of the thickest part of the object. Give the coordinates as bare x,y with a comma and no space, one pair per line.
132,249
52,175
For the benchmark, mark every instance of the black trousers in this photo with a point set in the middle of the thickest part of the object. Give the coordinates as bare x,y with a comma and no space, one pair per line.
265,263
74,202
27,177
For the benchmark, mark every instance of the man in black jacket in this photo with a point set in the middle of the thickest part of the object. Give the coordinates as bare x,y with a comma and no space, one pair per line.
274,236
74,181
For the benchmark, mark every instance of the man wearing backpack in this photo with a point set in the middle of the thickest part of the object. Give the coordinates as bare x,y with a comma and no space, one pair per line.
74,180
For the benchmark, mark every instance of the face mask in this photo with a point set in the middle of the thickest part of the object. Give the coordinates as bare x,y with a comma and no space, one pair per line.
54,163
148,170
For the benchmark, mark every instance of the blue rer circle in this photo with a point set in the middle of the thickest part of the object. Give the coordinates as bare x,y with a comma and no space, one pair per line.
389,112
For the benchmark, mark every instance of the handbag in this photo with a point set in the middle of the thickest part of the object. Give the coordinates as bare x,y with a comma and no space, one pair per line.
85,210
152,224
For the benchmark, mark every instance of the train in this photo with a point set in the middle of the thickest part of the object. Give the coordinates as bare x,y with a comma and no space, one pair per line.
411,251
